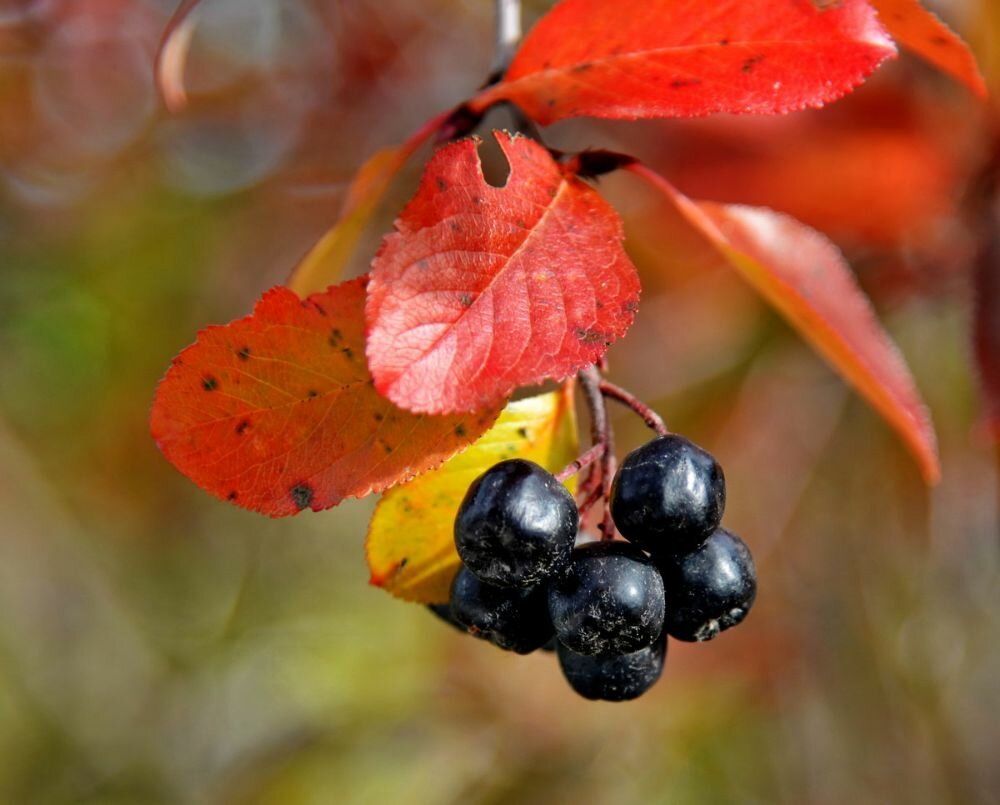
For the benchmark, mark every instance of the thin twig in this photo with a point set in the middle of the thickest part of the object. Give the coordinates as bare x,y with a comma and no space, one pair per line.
600,433
508,37
652,419
585,460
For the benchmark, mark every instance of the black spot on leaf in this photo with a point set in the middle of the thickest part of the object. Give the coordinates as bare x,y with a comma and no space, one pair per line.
209,383
243,353
751,63
302,495
241,428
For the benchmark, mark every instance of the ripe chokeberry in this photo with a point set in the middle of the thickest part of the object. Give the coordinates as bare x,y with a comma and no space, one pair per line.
513,619
516,525
616,677
610,601
668,495
710,589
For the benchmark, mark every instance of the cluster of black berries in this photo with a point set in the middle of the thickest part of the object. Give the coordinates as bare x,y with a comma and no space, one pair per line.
607,607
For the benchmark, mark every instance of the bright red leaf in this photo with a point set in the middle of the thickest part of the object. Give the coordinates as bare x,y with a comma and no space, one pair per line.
919,31
483,289
683,58
276,412
805,277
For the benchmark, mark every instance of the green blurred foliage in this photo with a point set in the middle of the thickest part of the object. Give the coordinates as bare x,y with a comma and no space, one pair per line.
157,646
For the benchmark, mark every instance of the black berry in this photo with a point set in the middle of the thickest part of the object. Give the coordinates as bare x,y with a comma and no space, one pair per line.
516,620
615,678
668,495
516,525
710,589
610,601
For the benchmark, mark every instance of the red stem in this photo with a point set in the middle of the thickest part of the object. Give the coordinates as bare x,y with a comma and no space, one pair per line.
600,434
652,419
585,460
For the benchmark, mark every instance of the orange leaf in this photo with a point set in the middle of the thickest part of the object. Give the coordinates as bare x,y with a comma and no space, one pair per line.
806,279
919,31
277,412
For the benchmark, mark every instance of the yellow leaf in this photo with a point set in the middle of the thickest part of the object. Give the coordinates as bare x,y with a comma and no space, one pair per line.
324,264
411,547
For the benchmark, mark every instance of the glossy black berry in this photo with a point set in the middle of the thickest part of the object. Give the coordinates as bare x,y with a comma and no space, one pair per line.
614,678
610,601
710,589
516,525
516,620
668,495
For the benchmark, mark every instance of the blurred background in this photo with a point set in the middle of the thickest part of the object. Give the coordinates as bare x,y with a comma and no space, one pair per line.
158,646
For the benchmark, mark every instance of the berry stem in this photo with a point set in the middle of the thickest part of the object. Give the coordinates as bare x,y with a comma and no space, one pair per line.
584,461
600,434
652,419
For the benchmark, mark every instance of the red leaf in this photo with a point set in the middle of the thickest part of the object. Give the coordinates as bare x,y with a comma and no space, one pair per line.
683,58
276,411
484,289
804,276
919,31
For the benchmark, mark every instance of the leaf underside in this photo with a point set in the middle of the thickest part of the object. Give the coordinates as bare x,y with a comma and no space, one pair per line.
806,279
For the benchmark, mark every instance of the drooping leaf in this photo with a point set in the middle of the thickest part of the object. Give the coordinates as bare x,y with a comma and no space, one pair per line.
805,277
411,545
919,31
684,58
276,412
483,289
324,264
